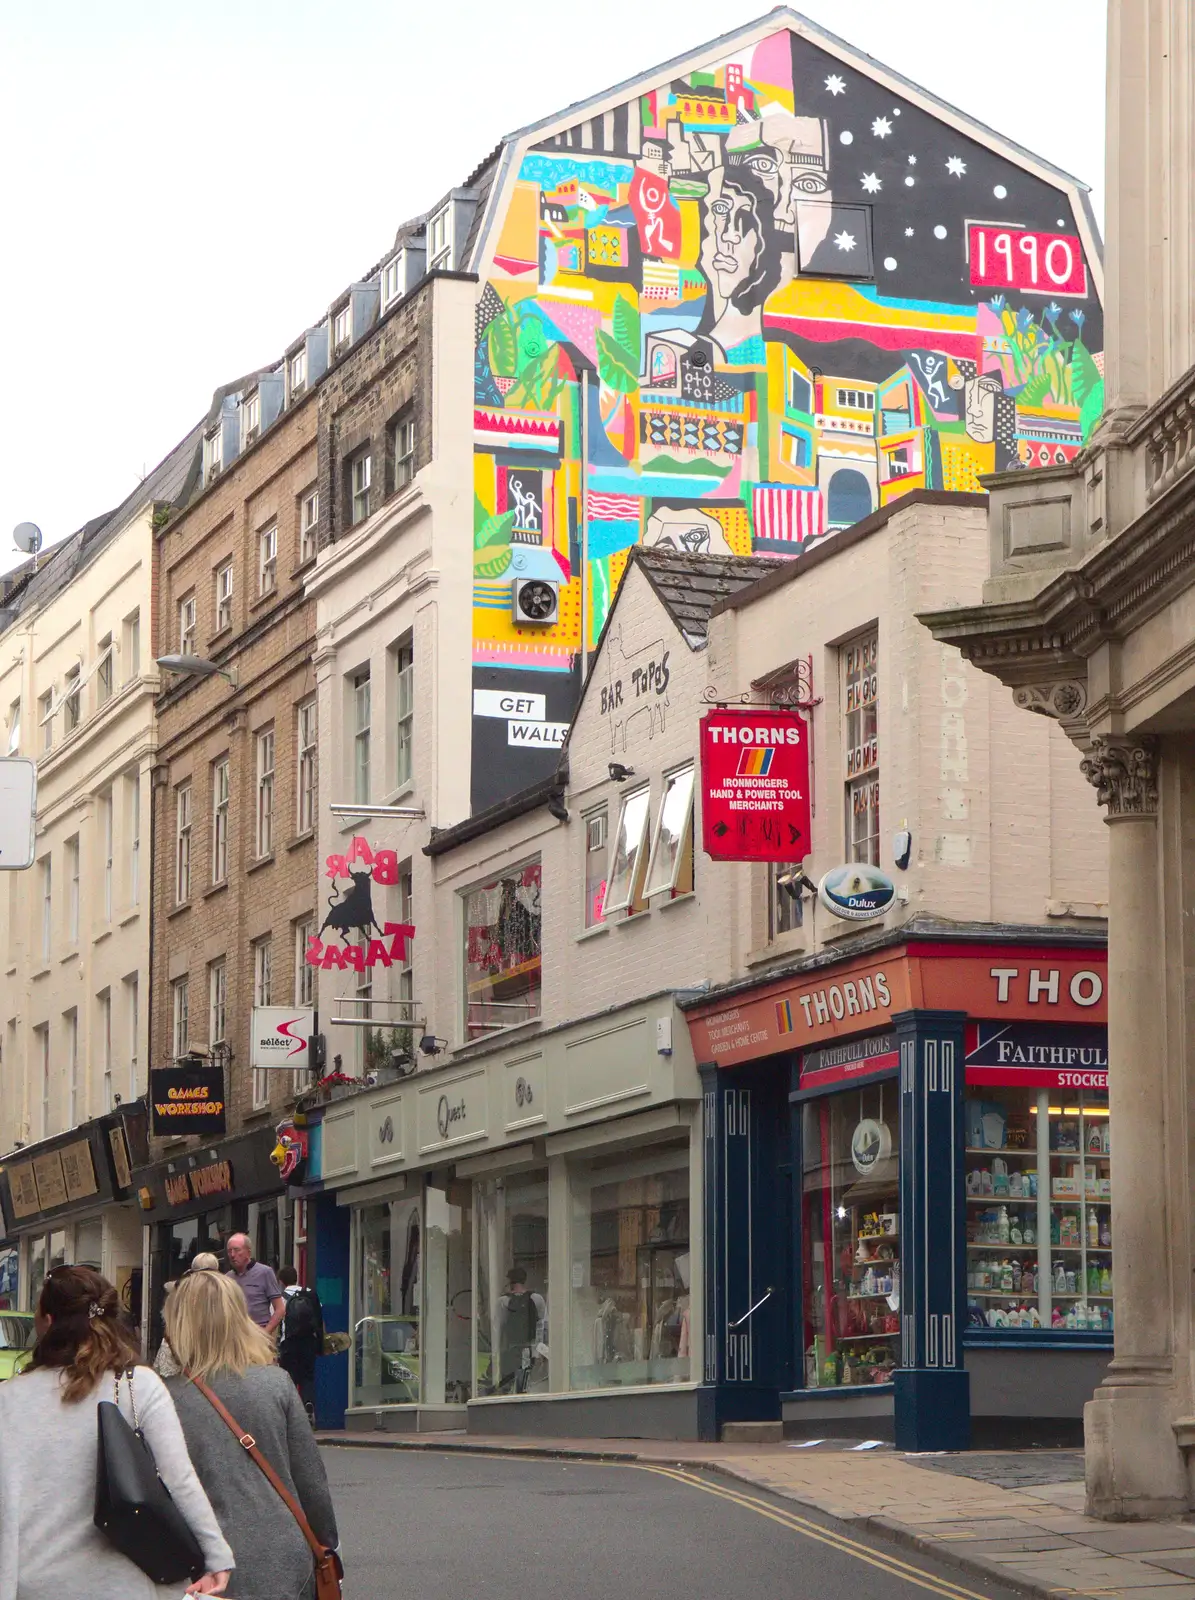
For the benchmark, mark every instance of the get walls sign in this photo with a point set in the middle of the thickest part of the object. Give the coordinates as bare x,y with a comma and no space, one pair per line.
754,786
351,910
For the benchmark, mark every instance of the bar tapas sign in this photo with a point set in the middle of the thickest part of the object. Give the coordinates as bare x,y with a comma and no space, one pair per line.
755,786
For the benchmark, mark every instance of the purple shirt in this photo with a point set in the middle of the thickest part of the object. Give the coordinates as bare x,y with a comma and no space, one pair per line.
260,1288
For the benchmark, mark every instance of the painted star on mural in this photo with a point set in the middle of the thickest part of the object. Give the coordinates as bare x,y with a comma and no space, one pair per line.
956,166
912,161
871,183
881,127
844,240
908,233
835,84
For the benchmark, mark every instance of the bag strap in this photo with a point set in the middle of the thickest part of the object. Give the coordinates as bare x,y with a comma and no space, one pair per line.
249,1444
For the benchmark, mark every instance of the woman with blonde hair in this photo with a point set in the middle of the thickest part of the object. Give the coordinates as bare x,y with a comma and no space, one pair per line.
49,1544
214,1341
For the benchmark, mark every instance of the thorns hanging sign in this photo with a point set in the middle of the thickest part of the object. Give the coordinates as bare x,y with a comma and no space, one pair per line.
350,910
755,786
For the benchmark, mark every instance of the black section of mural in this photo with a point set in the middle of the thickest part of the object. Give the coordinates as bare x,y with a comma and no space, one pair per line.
511,752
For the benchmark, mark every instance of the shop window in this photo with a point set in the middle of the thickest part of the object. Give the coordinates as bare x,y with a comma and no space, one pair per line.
1039,1209
388,1240
89,1244
786,909
596,861
624,886
502,951
670,870
630,1258
512,1284
850,1235
861,754
447,1334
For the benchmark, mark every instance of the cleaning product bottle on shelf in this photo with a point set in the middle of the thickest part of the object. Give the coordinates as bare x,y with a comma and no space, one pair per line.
1003,1225
1060,1279
1093,1228
1106,1231
1106,1280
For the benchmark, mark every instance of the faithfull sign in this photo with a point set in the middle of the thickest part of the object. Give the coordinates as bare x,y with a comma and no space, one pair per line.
350,910
754,786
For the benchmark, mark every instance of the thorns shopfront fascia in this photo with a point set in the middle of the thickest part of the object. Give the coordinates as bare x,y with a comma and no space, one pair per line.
909,1167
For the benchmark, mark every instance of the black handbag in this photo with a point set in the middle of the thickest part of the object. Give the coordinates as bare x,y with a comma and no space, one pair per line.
133,1507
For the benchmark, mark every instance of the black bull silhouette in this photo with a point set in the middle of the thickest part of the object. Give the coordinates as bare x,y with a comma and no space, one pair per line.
354,909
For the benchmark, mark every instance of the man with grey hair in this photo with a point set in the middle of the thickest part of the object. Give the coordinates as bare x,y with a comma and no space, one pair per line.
259,1285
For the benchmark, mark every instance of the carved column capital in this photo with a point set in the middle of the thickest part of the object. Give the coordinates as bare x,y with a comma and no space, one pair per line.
1124,772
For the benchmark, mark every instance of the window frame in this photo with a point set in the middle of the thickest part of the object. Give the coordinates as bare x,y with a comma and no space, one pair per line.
130,644
133,795
250,419
180,1016
107,801
188,624
46,864
593,915
404,712
221,802
490,884
74,890
304,971
14,727
104,1029
860,746
217,1001
264,757
263,991
306,765
225,584
308,524
362,735
652,889
630,897
360,485
404,440
104,677
267,559
342,327
183,818
297,361
45,721
72,699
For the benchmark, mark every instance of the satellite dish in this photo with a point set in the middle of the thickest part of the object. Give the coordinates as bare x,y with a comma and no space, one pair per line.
27,536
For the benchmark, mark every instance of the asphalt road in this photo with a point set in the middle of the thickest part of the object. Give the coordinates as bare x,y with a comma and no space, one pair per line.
418,1526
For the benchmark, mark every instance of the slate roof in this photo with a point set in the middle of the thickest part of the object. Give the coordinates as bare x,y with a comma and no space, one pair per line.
690,586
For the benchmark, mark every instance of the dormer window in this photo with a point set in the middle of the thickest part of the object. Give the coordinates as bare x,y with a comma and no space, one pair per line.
213,447
251,419
439,240
297,373
391,281
342,328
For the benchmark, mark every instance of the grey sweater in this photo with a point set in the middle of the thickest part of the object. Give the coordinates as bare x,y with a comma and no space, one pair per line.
272,1558
49,1546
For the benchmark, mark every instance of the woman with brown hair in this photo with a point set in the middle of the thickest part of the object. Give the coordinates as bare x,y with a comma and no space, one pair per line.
215,1341
49,1544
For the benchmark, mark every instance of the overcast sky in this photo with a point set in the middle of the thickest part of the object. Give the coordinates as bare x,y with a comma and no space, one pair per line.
184,188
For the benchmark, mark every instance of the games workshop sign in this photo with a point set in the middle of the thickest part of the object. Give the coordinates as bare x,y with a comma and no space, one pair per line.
754,786
351,910
186,1100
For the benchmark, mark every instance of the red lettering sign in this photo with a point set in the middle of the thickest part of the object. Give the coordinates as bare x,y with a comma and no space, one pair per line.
754,786
1016,258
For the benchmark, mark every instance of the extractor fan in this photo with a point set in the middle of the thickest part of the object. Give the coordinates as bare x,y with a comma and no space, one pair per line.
535,600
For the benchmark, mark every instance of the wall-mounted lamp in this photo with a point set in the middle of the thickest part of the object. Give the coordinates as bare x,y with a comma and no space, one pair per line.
619,773
196,667
429,1045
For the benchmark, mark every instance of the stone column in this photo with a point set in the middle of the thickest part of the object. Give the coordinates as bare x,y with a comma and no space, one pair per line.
1134,1466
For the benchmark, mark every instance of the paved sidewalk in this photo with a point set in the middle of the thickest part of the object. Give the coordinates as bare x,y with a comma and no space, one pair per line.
1033,1538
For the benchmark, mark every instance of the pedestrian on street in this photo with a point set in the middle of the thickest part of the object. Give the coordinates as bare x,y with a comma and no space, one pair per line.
301,1336
258,1283
217,1344
49,1544
522,1328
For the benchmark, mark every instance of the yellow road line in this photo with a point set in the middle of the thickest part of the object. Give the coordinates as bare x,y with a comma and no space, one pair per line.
813,1530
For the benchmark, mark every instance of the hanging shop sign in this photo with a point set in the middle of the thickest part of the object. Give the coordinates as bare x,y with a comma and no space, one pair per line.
1038,1057
856,892
186,1100
281,1036
351,910
871,1143
755,786
856,1059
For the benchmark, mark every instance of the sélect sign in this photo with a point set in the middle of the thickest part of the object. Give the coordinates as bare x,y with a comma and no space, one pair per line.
185,1101
281,1035
755,786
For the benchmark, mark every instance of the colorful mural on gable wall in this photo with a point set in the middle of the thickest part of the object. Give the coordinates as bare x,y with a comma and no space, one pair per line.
782,296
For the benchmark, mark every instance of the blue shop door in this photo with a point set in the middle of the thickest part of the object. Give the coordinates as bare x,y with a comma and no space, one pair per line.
748,1314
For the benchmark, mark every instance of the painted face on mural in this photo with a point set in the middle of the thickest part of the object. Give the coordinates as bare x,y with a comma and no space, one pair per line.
981,396
740,255
788,155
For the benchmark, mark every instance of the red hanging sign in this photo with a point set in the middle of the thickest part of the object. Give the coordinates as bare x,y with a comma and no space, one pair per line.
383,944
755,786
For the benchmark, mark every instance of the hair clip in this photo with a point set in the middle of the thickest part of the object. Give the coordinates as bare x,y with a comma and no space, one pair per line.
95,1309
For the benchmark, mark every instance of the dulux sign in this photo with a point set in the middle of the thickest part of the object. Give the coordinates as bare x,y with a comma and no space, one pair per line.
856,892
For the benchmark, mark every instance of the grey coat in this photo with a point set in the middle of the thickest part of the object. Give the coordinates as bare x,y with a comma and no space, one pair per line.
272,1558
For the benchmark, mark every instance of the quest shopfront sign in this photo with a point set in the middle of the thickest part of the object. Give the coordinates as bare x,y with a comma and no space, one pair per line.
754,786
1006,984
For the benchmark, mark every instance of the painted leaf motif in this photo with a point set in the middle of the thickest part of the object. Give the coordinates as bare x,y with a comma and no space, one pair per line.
494,530
503,347
536,387
1036,390
1085,375
486,565
618,368
626,327
1092,410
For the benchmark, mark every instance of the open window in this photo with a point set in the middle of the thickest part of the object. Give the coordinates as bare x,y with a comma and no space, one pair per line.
670,870
625,883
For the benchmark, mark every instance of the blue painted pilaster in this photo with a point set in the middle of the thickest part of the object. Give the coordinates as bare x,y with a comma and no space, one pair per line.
328,1226
745,1242
932,1392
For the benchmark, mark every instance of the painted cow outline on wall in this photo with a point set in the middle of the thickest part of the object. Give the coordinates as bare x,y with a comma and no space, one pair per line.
619,694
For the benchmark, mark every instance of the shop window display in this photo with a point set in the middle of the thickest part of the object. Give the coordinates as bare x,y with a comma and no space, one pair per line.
630,1255
447,1268
512,1284
850,1235
386,1335
1039,1210
502,952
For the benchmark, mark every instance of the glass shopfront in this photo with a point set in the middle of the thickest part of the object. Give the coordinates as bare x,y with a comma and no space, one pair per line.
512,1284
850,1235
630,1312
